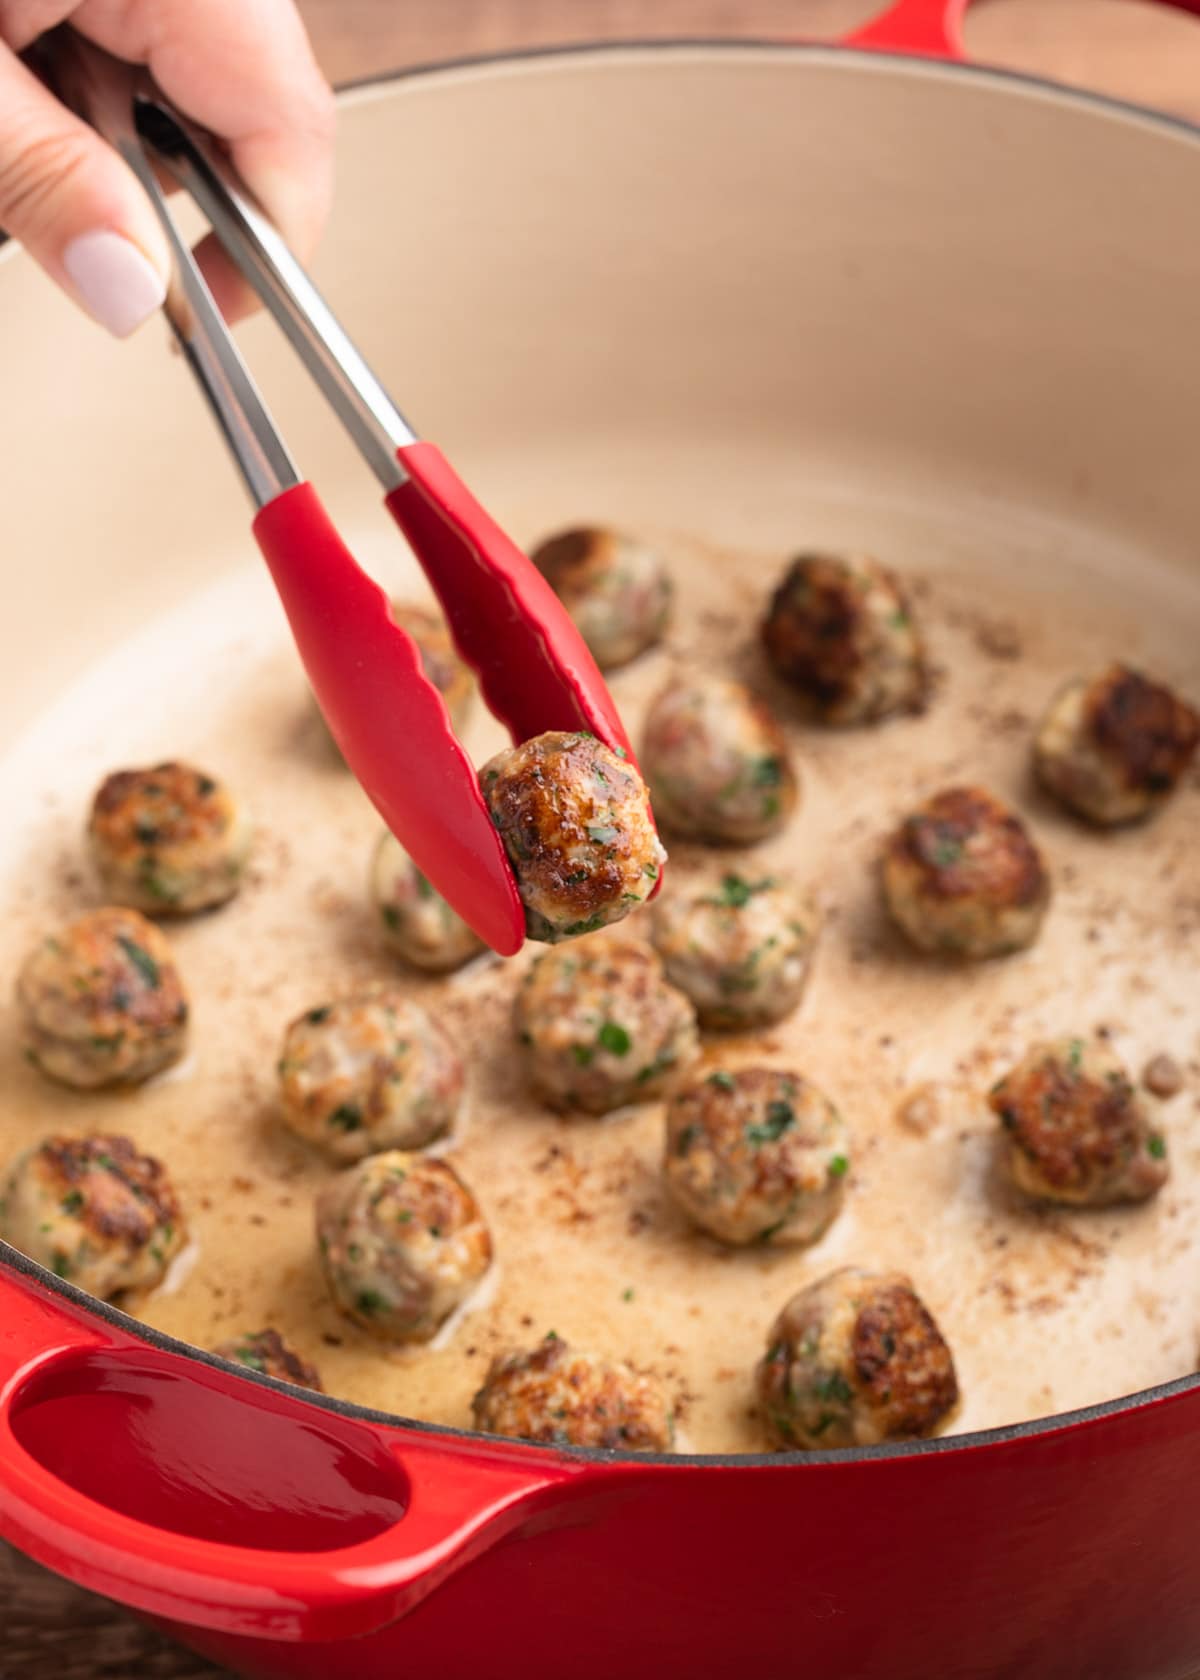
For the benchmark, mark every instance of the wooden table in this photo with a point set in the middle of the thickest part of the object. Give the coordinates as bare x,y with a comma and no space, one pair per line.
49,1630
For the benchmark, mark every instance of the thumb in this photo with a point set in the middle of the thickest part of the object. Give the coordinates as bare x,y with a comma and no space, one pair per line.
75,207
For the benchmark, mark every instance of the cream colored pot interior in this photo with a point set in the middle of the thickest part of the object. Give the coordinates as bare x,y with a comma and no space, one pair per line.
745,301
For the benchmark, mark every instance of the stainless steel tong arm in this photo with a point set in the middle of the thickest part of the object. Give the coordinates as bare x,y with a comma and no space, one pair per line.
127,109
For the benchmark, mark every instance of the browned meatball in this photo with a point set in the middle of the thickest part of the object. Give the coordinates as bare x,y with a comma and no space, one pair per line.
102,1002
615,588
1076,1129
168,840
740,948
575,821
266,1351
756,1155
1114,749
961,876
371,1071
717,762
854,1360
418,923
403,1243
570,1399
601,1027
842,632
95,1211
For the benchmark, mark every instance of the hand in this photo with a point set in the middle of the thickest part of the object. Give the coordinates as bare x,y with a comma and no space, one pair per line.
241,68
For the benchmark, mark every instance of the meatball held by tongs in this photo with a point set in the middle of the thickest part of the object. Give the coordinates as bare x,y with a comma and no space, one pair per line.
389,720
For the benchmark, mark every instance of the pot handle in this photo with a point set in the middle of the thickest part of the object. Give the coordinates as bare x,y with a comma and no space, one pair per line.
934,28
166,1480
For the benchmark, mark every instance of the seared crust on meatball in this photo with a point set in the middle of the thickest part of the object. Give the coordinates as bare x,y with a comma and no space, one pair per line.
95,1211
576,824
842,632
1115,749
961,876
168,840
101,1001
853,1360
369,1072
740,948
1076,1130
756,1155
266,1351
601,1027
615,588
717,762
418,924
402,1243
568,1399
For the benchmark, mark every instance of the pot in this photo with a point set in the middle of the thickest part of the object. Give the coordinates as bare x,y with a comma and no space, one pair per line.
704,264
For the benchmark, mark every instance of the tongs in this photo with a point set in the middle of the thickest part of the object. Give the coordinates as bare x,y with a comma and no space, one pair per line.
534,669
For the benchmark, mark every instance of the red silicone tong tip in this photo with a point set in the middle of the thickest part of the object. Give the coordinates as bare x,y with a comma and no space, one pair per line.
534,667
388,719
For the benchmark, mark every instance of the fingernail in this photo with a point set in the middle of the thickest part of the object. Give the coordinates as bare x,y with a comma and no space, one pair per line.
116,284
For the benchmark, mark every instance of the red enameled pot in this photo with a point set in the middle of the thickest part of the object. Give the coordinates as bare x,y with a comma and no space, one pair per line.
286,1535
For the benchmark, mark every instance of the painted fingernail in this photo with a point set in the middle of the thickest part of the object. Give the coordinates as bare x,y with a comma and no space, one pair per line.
115,283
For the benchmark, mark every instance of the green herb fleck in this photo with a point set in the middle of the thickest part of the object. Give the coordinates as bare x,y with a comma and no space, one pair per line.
1156,1146
72,1202
246,1355
839,1166
61,1264
391,917
142,961
723,1080
780,1116
833,1387
602,834
767,772
424,890
1075,1055
627,1294
347,1117
369,1301
614,1038
583,1054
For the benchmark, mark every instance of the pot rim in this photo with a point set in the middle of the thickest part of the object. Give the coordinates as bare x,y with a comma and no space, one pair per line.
1019,82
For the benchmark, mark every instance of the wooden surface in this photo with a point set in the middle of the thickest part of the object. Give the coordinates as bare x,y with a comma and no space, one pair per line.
48,1630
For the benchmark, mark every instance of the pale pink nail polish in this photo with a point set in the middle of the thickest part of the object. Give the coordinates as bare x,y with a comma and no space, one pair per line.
115,283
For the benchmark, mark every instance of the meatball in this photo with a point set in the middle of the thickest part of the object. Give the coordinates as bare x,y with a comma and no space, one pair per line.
101,1002
615,588
853,1360
1076,1130
961,876
568,1399
575,820
601,1027
168,840
439,660
717,763
842,632
741,950
369,1072
1114,749
93,1210
403,1243
418,924
756,1155
266,1351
